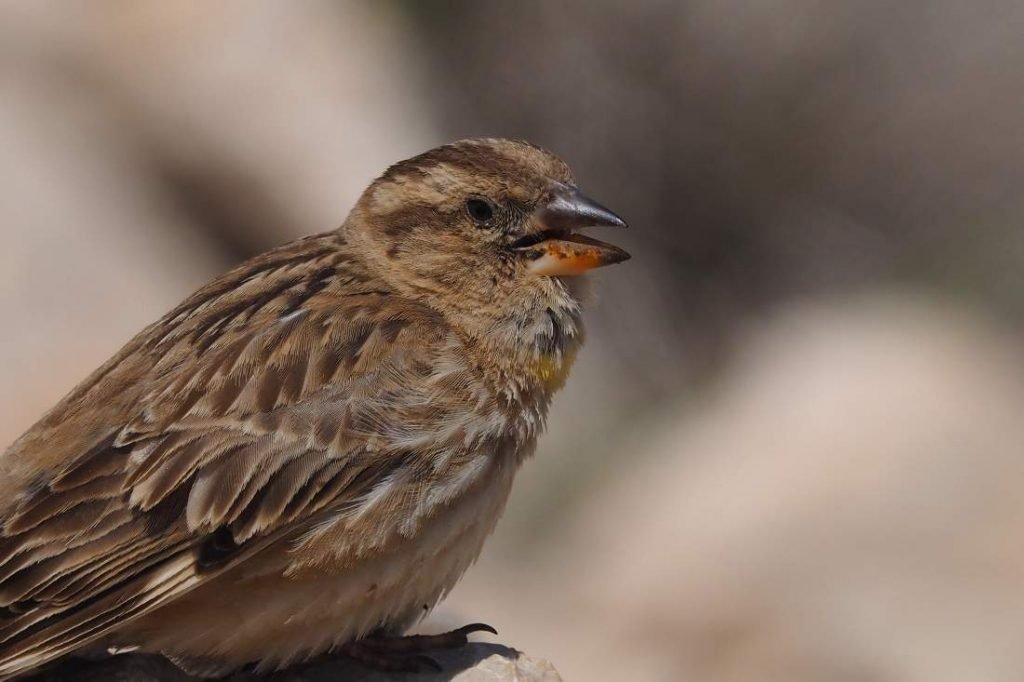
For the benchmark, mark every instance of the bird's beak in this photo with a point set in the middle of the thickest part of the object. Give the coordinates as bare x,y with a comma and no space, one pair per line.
552,246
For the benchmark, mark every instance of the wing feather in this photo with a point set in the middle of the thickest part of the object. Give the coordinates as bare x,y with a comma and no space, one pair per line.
242,414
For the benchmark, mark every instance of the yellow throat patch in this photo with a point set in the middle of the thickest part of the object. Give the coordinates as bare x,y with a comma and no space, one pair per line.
552,369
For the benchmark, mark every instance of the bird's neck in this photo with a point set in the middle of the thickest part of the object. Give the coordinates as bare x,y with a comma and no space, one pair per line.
531,347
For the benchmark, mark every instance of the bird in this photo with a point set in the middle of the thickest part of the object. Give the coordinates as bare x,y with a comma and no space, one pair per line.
308,452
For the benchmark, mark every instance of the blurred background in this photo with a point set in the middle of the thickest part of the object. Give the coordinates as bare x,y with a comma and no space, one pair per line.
793,448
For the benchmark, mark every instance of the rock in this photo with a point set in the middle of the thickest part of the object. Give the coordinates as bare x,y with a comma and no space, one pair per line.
475,662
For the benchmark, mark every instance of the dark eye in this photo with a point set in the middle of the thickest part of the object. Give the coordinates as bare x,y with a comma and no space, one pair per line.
479,210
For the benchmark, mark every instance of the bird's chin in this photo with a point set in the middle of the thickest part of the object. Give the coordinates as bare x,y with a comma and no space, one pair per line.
576,287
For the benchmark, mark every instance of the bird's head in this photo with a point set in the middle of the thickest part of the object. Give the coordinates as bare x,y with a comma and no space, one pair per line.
484,229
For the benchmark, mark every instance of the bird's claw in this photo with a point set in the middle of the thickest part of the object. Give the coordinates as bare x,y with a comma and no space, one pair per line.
403,654
474,627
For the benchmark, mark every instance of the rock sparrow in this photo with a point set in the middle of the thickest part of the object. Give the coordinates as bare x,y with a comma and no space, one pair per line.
312,448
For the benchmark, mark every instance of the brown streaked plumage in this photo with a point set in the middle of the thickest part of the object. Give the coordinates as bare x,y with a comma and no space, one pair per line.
314,446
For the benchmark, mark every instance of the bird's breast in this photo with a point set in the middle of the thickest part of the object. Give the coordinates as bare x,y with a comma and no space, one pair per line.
293,602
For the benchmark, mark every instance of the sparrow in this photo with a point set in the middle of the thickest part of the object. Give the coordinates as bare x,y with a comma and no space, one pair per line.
309,451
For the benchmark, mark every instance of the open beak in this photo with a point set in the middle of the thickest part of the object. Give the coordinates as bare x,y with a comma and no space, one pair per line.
552,246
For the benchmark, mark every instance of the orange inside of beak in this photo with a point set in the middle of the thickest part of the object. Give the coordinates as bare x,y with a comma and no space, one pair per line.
572,254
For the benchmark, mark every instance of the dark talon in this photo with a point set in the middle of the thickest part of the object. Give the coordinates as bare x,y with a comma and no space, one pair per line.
400,654
475,627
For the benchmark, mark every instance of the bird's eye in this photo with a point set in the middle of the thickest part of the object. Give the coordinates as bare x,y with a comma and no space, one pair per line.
479,210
